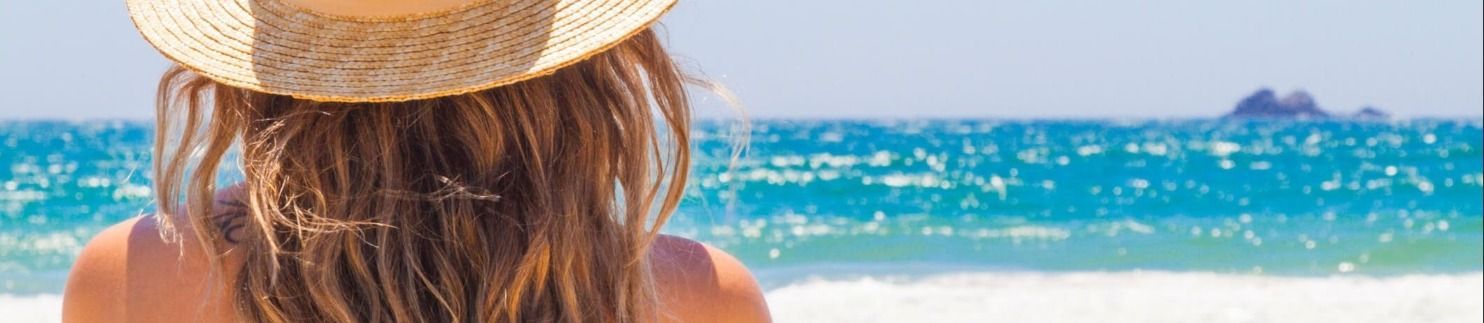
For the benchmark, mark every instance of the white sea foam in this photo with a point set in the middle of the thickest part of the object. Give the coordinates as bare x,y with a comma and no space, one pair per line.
1080,297
34,308
1132,297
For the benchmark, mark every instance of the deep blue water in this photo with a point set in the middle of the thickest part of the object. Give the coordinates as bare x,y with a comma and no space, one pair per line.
1272,197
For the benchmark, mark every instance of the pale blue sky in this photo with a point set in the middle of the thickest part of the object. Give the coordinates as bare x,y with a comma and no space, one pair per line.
79,59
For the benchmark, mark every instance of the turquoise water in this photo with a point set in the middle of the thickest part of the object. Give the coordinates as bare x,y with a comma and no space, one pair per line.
1270,197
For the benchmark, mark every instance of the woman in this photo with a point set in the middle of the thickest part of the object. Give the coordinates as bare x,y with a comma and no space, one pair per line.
412,161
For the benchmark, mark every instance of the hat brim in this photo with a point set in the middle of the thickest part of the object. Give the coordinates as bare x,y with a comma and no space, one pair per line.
274,47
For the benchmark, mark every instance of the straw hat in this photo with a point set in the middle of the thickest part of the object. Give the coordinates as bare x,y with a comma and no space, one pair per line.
384,50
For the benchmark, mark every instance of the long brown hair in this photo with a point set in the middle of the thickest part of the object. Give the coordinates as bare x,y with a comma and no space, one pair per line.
535,201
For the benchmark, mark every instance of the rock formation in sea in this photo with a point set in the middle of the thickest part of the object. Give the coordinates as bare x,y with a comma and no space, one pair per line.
1266,104
1371,113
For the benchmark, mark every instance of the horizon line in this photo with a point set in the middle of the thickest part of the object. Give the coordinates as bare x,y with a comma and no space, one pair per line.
1476,117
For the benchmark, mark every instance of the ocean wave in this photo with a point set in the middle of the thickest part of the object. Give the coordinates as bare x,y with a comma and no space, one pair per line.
1131,297
31,308
1079,297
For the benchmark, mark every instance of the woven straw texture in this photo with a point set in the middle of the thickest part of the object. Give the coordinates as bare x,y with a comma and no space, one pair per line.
275,47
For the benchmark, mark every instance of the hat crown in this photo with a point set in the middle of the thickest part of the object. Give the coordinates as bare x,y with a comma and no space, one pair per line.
385,50
378,8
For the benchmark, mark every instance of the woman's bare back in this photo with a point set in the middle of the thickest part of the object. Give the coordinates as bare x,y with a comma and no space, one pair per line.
130,273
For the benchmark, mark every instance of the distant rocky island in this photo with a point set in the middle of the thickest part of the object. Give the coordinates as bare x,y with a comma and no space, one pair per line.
1265,104
1371,113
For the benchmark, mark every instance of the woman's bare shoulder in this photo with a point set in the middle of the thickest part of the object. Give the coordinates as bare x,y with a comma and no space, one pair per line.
131,272
96,286
699,283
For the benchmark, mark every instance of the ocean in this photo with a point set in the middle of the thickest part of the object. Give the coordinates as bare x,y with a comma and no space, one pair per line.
971,220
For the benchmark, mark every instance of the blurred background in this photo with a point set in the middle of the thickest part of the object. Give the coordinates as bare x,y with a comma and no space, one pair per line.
953,161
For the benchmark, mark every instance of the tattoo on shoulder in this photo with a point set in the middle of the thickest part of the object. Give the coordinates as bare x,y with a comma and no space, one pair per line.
230,219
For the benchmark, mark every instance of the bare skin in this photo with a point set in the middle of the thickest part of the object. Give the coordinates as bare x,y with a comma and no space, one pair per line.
128,273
